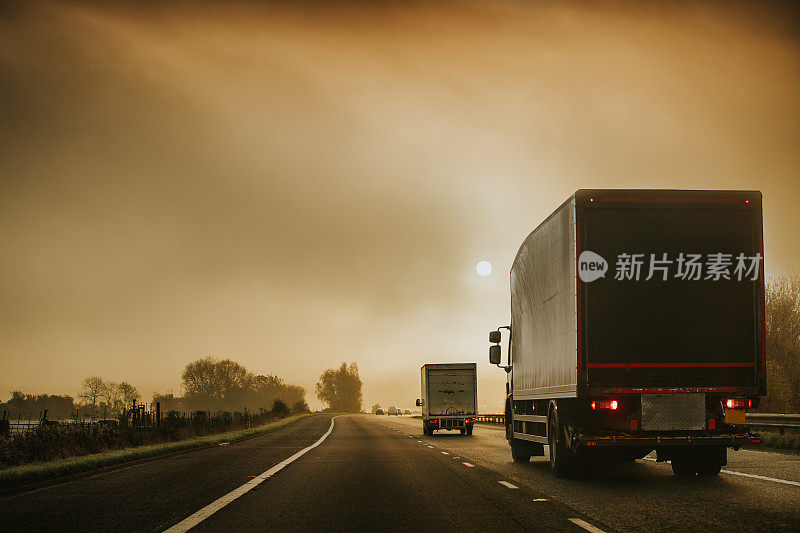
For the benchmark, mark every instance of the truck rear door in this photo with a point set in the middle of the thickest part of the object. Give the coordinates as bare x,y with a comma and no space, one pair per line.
681,302
451,391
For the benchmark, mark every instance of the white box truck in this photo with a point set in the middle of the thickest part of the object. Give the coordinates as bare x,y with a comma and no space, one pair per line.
449,397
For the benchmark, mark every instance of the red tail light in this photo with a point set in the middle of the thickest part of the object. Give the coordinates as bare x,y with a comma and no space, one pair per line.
634,424
712,423
610,405
468,420
738,403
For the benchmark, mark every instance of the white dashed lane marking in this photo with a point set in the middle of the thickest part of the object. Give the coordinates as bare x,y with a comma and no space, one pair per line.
468,464
508,485
586,525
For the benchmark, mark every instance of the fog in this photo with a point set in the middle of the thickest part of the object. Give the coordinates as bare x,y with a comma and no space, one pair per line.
293,185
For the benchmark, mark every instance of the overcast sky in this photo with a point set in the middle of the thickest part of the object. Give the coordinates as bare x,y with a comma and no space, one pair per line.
296,187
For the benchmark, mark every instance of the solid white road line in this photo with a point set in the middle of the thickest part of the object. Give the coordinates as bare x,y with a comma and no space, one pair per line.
188,523
586,525
765,478
468,464
508,485
754,476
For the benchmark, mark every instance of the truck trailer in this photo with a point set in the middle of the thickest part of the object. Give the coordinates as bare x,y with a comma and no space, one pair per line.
637,324
449,397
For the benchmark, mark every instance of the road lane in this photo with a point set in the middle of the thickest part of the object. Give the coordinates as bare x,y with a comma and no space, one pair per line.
382,473
368,477
155,495
644,495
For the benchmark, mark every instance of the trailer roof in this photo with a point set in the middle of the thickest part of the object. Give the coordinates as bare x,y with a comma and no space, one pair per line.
649,195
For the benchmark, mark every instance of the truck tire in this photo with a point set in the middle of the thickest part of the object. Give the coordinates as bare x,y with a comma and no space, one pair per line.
683,466
424,428
463,431
561,460
520,452
710,460
469,430
709,469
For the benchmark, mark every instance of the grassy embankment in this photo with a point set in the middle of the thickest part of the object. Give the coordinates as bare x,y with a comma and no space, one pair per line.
34,472
787,441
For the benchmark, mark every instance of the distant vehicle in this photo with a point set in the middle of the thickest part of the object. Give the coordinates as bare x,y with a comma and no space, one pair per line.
393,410
637,324
449,397
380,411
407,412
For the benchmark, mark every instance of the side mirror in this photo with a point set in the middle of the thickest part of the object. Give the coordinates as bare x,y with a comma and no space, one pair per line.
494,354
419,403
494,337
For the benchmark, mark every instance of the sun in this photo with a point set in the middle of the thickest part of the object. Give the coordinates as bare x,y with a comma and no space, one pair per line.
484,268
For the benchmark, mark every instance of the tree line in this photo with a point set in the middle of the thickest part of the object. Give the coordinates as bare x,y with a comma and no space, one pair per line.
208,384
223,384
783,345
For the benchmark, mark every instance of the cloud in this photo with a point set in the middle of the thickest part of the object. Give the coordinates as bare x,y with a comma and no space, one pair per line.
293,186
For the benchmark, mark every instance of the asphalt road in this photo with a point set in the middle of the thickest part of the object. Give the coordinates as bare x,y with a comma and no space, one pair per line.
381,473
645,496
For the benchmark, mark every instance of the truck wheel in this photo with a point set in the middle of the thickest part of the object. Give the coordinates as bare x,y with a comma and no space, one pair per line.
469,430
560,455
710,460
520,452
463,431
709,469
683,466
424,428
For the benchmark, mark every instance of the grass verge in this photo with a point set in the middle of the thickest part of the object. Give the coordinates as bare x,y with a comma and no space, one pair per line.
787,441
31,473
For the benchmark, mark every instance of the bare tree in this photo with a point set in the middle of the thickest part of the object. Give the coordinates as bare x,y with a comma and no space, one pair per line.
128,393
112,398
92,390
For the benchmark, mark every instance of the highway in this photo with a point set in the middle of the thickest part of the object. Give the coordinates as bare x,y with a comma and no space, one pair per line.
380,473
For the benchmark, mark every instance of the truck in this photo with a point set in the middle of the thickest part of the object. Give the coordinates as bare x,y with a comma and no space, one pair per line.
449,397
637,325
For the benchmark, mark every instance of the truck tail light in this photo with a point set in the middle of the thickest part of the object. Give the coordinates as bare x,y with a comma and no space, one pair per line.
738,403
610,405
434,421
468,420
712,423
634,424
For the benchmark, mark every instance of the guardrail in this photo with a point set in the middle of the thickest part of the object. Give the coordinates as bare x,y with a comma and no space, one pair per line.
780,422
771,420
491,419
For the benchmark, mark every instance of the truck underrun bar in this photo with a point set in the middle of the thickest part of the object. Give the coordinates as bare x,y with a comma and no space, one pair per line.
663,440
671,365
